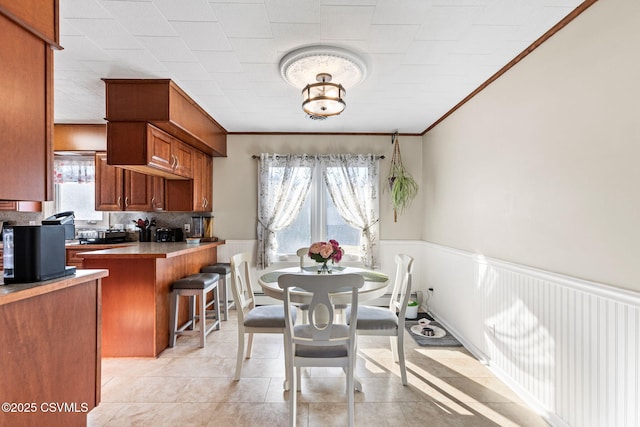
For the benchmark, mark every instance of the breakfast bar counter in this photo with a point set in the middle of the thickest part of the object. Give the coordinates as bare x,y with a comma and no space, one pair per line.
135,296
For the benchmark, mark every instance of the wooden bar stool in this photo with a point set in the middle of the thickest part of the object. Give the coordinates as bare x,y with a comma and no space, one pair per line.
224,270
194,286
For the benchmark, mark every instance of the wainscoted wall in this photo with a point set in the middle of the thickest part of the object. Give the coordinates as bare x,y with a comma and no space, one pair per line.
569,347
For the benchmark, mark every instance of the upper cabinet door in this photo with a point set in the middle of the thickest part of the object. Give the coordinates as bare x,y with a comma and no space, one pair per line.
25,114
207,183
138,191
109,185
183,155
160,152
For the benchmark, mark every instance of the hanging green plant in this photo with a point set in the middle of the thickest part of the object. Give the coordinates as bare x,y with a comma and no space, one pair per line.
401,184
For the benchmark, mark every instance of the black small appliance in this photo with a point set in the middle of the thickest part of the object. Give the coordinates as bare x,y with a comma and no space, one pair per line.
104,237
169,235
33,253
65,219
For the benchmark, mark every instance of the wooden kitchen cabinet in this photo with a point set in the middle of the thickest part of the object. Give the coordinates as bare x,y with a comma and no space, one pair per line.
119,189
72,257
194,195
26,111
72,251
203,185
79,137
6,205
144,148
163,104
169,153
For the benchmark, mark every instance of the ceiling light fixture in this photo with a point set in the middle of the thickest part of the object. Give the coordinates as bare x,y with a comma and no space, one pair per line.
324,65
323,98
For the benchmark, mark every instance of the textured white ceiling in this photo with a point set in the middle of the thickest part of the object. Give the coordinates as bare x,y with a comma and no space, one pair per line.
422,56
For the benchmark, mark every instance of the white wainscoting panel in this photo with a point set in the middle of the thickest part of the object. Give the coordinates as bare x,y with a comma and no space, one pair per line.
569,347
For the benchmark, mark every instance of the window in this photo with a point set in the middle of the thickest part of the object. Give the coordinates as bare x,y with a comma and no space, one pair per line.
318,220
75,186
303,199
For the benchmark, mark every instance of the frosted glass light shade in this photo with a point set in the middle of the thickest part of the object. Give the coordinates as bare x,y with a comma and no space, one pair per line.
323,98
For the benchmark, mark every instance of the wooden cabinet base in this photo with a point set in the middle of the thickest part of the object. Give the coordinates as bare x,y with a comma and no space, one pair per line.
50,355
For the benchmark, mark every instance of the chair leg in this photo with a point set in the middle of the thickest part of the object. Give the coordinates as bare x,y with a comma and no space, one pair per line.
173,315
350,393
225,305
288,363
293,395
192,311
400,351
393,340
240,353
249,345
216,293
203,318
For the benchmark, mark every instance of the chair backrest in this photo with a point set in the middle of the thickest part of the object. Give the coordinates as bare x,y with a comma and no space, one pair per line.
321,330
241,283
402,285
302,254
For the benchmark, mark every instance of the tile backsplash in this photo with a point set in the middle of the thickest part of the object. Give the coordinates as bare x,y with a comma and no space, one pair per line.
163,219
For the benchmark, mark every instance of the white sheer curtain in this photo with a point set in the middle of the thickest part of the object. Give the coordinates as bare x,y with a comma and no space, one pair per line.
352,182
75,169
283,186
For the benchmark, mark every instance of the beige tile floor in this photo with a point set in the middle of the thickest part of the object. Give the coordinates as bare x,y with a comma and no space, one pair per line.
191,386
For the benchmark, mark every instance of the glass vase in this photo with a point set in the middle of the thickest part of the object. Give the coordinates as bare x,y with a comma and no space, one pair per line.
324,268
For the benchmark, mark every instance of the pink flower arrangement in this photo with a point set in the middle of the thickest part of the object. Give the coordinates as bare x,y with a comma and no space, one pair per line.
323,251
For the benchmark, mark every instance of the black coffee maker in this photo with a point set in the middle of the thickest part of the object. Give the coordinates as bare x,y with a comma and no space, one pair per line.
33,253
66,219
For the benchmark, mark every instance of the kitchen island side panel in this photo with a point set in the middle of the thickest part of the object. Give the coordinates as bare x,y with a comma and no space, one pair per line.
128,307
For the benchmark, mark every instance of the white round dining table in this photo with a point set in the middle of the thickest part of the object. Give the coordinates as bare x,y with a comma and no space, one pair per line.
375,284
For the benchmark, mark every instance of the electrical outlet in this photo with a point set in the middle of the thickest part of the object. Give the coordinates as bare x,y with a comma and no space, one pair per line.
187,228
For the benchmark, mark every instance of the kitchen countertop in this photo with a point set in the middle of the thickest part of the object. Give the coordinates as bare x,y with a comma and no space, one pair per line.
149,250
97,246
20,291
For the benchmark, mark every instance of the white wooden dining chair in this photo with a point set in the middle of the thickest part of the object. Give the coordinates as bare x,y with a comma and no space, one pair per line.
265,319
322,342
389,321
302,254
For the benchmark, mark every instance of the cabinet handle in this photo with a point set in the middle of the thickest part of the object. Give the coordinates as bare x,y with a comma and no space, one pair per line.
126,202
119,202
174,164
153,202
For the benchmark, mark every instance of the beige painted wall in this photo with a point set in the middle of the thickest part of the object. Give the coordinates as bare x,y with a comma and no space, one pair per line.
235,178
542,168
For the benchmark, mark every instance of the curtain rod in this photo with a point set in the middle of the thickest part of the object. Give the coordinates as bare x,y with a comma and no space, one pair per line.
321,155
